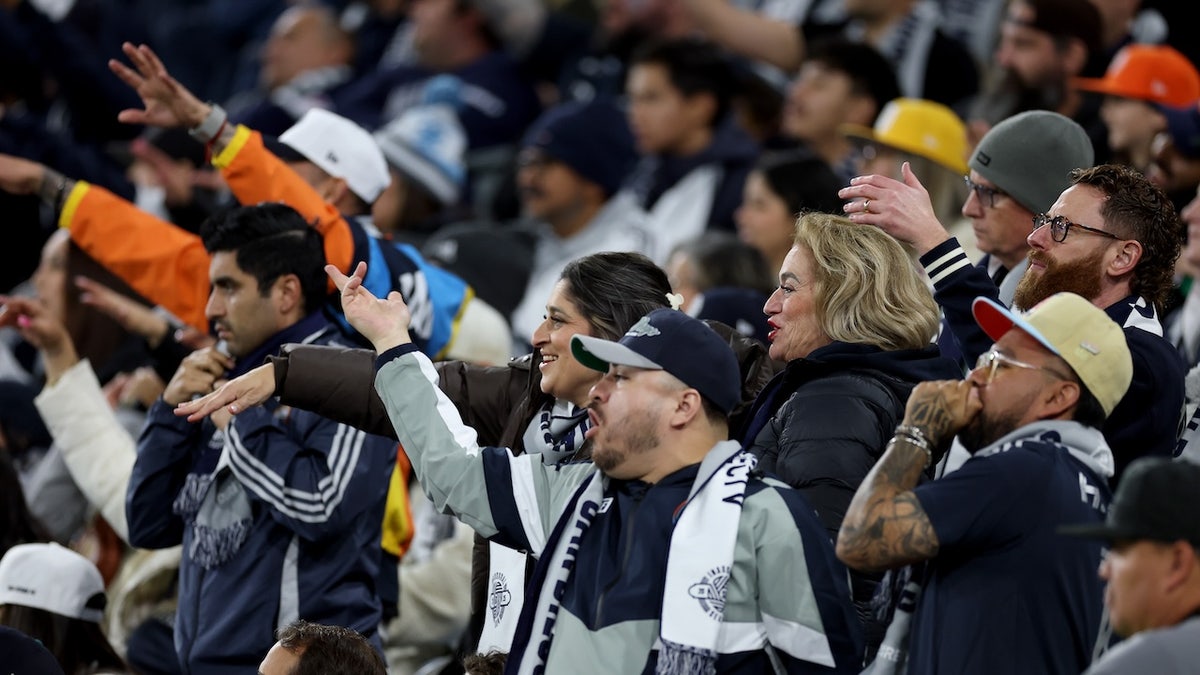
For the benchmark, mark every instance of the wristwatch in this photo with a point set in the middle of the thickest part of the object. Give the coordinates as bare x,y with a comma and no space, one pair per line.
207,130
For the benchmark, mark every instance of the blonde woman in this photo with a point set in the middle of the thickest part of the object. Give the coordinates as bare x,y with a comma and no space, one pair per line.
855,322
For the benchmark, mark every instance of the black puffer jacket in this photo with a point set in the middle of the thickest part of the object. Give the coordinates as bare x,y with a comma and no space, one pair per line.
822,423
498,402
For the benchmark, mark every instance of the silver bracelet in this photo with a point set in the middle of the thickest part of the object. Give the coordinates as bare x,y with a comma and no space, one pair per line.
914,436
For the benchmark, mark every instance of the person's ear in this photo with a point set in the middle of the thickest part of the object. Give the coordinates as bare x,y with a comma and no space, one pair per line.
1182,567
861,109
687,407
333,190
1126,258
288,294
1074,56
1060,398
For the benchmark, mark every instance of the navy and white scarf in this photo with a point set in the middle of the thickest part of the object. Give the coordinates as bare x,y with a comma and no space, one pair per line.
702,543
556,431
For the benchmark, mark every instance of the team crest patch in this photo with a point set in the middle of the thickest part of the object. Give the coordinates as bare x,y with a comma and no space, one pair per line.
499,597
710,591
642,328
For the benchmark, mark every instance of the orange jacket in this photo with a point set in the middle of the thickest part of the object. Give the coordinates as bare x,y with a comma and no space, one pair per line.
168,265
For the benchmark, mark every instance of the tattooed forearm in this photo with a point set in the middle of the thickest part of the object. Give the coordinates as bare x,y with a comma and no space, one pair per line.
933,416
885,525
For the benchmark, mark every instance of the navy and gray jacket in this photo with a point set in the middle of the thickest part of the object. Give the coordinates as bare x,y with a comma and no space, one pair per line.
290,531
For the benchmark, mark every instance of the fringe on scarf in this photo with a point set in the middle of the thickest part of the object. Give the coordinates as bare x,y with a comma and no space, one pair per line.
213,547
680,659
195,486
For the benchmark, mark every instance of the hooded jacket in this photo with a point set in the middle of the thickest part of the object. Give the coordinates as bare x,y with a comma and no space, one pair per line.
822,423
1007,592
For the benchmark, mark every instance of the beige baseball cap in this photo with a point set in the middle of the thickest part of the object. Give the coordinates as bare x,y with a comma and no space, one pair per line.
1076,331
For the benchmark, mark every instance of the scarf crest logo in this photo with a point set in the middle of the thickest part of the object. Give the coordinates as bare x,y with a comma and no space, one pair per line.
499,597
710,591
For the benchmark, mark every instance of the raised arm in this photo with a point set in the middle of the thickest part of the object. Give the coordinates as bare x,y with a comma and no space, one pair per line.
900,208
886,526
253,174
514,499
748,33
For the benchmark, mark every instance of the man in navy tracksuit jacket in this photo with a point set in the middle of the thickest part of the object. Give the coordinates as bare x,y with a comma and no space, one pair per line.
279,510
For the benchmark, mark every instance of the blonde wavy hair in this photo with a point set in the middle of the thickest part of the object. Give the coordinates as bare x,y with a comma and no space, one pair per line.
867,289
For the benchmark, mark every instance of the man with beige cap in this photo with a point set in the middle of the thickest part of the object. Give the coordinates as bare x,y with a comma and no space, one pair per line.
1003,592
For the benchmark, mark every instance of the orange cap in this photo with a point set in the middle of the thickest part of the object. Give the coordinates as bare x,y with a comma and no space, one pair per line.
1152,73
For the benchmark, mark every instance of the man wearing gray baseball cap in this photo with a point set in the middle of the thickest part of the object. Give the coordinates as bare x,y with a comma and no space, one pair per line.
1152,568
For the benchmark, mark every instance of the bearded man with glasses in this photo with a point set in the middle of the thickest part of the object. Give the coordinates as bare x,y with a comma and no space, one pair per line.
1003,592
1111,237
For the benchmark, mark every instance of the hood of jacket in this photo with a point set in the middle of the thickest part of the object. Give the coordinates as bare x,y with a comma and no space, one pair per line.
1084,443
906,366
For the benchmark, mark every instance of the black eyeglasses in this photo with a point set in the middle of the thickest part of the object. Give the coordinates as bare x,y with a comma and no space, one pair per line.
1059,226
986,195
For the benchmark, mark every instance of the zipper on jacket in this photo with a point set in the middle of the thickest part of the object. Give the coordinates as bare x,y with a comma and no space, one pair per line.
637,505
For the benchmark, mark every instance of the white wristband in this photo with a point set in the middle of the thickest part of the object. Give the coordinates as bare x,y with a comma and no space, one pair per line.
207,130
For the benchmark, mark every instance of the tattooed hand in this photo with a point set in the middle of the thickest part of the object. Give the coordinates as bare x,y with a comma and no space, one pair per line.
942,408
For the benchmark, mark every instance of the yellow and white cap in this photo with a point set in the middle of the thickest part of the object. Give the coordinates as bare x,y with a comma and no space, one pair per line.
920,127
1076,331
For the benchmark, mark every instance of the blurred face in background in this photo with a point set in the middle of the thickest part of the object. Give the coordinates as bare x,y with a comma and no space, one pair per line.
879,159
822,98
301,40
662,118
1132,125
551,191
435,24
1028,54
764,220
1169,168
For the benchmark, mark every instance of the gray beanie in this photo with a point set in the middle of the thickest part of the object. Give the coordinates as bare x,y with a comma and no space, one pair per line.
1030,156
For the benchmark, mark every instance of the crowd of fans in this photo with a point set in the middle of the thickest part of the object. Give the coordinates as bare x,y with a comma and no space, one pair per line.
599,336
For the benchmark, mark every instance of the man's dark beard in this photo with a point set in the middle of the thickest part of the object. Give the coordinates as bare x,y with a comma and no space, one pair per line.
1081,277
983,431
1010,96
